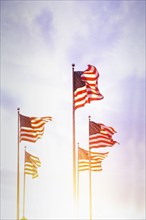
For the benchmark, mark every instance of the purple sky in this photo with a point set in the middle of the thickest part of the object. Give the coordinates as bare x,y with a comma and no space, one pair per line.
39,42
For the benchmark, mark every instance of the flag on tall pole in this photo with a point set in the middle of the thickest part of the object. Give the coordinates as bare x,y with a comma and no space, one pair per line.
32,128
85,90
89,161
31,163
100,135
29,129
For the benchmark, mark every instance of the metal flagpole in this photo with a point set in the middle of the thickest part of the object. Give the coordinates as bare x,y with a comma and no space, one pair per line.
90,181
23,218
18,171
78,186
74,146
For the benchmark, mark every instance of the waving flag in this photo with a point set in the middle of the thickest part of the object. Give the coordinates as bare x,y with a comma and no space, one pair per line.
100,135
86,87
32,128
83,159
31,165
88,159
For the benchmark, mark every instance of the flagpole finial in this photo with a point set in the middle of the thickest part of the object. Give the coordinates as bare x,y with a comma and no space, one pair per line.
18,109
73,65
89,117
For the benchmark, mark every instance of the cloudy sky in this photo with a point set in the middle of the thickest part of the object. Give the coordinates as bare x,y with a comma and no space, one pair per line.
39,42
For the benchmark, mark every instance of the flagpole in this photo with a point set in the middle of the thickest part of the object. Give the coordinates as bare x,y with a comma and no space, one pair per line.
78,186
24,183
90,181
74,146
18,171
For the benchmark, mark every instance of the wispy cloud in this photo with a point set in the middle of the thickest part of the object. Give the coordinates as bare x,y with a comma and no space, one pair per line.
40,41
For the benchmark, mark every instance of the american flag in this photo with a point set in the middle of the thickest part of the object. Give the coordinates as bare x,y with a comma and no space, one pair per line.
86,86
32,128
87,160
31,165
100,135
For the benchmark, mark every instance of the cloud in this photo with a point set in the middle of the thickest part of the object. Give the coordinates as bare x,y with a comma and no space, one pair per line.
44,21
40,40
8,100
